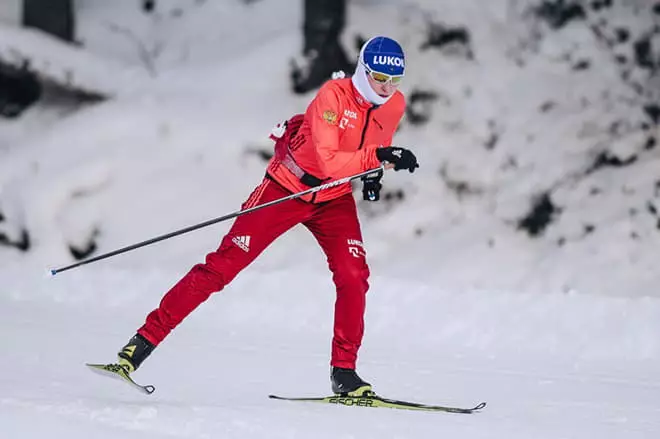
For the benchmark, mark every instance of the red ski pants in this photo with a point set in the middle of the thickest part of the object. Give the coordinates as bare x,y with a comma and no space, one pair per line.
335,226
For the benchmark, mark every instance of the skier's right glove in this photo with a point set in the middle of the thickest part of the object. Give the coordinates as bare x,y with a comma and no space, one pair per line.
401,158
371,186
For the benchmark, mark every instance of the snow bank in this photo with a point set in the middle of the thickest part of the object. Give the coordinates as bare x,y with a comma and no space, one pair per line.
66,65
537,172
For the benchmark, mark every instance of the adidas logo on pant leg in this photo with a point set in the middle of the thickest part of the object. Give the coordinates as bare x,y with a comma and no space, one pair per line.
243,242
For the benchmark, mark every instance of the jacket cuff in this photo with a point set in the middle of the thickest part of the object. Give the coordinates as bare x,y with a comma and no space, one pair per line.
372,159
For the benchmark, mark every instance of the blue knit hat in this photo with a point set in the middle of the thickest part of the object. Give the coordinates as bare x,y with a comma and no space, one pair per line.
383,55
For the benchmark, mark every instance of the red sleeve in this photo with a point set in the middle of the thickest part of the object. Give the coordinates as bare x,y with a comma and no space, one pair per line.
325,136
400,112
394,120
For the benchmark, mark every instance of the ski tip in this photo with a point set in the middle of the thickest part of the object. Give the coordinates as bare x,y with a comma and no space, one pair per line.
148,389
117,371
479,406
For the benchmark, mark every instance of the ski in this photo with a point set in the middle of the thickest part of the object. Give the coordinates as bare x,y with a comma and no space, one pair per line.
379,401
116,371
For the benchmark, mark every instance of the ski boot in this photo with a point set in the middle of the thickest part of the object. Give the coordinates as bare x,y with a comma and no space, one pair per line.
134,353
346,382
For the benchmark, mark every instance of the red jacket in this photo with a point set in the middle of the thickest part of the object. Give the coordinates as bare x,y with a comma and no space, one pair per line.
338,137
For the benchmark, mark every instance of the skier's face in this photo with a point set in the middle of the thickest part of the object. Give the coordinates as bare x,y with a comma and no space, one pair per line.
383,89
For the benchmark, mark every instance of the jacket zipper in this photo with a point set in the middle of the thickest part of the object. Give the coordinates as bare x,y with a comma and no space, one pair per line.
366,124
364,132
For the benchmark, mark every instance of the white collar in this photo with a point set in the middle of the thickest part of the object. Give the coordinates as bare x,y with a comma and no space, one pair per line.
361,83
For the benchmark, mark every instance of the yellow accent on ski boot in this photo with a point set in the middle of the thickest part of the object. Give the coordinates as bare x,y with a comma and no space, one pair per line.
362,391
134,353
129,350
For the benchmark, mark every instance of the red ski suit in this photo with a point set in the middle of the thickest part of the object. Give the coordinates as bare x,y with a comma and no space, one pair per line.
337,137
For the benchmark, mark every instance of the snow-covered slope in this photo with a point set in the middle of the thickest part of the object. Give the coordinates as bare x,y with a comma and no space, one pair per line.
514,123
518,122
557,366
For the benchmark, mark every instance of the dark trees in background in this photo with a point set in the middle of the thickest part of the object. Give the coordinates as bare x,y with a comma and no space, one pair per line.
324,21
148,6
53,16
20,88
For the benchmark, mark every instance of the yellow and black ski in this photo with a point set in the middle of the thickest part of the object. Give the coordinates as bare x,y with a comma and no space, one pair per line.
378,401
117,371
371,400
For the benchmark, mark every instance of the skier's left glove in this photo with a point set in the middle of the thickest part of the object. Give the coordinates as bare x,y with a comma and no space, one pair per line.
401,158
371,186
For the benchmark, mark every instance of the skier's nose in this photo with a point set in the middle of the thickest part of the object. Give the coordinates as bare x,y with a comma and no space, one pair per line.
388,88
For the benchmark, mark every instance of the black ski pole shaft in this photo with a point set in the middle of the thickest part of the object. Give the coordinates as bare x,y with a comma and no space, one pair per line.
235,214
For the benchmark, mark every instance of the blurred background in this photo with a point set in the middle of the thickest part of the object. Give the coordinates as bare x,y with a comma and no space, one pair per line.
536,123
531,230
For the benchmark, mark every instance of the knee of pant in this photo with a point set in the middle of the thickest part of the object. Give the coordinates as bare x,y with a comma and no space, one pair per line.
211,278
352,275
225,263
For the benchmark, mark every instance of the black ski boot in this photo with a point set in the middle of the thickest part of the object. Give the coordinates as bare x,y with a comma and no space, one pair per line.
346,382
134,353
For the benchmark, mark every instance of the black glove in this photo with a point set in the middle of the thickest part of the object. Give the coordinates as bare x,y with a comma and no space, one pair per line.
401,158
371,186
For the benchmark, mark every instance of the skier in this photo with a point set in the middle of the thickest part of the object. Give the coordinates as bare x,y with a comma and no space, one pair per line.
345,130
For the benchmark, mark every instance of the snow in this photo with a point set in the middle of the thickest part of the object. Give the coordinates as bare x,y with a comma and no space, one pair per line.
560,340
550,367
11,11
66,65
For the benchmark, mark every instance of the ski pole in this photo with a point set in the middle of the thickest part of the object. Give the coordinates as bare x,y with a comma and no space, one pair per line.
235,214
